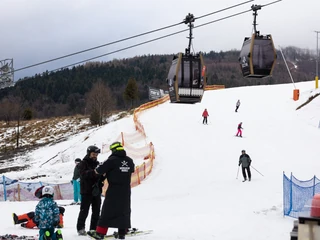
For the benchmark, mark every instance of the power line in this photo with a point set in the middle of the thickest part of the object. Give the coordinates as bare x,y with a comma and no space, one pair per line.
145,42
125,39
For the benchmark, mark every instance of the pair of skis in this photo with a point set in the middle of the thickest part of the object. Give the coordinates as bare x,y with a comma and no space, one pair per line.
132,233
17,237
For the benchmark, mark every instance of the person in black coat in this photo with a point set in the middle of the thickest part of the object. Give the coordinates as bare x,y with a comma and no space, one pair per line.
116,209
245,161
89,196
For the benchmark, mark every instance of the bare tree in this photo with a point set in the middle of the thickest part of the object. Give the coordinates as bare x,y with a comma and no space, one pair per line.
99,102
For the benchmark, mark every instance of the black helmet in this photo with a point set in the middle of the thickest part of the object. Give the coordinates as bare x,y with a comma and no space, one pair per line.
94,149
116,146
77,160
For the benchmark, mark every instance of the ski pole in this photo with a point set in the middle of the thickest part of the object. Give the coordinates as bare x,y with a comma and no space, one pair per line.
257,171
238,172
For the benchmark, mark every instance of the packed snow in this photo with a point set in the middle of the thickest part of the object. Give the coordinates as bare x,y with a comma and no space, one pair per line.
195,190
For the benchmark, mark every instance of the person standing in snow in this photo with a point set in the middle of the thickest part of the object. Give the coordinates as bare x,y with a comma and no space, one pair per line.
237,105
76,183
89,190
245,162
116,209
205,116
239,130
46,216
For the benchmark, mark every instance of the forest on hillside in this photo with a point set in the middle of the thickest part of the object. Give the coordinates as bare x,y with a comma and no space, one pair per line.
126,81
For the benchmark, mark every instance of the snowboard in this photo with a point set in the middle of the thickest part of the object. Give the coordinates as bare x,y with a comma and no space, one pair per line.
17,237
131,233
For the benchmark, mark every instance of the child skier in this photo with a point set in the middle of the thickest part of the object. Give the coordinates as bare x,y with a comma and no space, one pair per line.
47,217
26,219
239,130
205,115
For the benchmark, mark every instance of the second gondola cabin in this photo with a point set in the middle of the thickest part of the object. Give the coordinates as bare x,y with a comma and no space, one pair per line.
186,78
257,56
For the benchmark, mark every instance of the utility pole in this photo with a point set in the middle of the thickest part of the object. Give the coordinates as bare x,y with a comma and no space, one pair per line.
317,59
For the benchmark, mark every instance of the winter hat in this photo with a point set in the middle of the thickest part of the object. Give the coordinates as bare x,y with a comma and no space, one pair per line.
91,149
77,160
116,146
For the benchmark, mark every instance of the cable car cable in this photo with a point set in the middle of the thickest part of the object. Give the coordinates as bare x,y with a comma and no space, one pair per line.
121,40
135,45
224,9
152,40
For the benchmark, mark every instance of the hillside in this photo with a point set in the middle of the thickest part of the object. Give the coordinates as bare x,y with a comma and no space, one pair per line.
195,183
64,93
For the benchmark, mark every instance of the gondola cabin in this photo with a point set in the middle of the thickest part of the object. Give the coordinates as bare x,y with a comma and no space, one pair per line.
186,78
257,56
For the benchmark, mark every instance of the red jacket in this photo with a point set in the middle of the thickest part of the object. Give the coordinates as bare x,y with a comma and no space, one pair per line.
205,113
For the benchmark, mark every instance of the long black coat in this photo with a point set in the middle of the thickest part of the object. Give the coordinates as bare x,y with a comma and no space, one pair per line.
116,209
87,175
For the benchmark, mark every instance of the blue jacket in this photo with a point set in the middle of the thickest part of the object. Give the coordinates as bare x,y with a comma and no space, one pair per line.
47,213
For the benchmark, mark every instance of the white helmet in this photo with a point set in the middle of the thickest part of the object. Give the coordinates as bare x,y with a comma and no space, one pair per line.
47,190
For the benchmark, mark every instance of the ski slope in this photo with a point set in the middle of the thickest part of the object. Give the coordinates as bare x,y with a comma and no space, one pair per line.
193,191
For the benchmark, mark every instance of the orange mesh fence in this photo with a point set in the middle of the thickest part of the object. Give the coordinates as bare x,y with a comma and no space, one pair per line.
13,190
214,87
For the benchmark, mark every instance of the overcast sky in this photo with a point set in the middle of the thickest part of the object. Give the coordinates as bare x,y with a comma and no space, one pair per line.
33,31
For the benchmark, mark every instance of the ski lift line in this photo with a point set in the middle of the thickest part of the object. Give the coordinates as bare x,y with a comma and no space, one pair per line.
139,44
271,3
145,42
220,19
120,50
122,40
224,9
100,46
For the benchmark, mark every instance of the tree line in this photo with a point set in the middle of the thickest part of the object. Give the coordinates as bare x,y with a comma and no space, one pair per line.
98,88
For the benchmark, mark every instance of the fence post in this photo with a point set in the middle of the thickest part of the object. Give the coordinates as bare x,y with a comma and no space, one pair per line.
122,139
4,188
291,192
19,192
314,184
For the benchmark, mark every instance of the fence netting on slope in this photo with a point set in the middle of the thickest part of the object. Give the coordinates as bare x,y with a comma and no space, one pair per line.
134,143
297,193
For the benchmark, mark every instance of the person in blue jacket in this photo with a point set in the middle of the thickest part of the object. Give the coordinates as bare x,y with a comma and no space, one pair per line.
76,183
47,217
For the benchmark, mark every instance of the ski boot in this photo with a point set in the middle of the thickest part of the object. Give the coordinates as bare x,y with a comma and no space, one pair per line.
15,218
59,235
47,236
82,232
95,235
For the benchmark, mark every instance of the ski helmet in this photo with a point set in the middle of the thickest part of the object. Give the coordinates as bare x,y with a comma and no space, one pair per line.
94,149
116,146
47,190
38,192
77,160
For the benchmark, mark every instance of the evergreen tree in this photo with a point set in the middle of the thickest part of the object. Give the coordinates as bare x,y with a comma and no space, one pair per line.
131,92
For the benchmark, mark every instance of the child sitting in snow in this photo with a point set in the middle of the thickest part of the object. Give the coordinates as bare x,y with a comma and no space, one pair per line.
47,217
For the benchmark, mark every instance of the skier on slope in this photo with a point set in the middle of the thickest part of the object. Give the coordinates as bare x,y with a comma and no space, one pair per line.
239,130
245,161
205,116
237,105
47,217
26,219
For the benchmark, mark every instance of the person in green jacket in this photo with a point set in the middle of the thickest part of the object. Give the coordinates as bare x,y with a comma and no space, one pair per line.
245,161
76,183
